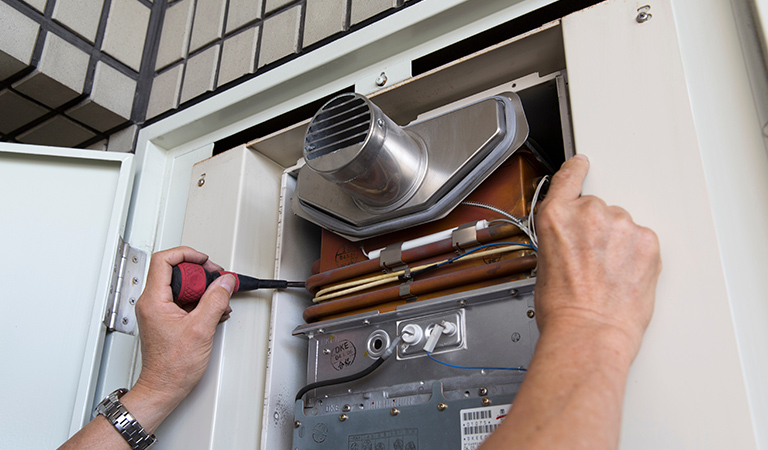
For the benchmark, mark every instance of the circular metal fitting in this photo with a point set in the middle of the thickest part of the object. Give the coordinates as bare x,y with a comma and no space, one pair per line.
486,401
135,260
352,143
531,313
125,321
135,280
482,391
326,351
343,417
132,301
200,182
378,343
442,406
346,408
296,424
516,337
394,411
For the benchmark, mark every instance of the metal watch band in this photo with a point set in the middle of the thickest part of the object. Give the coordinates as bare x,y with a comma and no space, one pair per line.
124,422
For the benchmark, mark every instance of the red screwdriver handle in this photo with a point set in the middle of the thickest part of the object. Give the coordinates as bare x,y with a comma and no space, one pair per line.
189,281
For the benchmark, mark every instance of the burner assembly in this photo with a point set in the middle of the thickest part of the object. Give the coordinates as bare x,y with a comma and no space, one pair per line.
423,314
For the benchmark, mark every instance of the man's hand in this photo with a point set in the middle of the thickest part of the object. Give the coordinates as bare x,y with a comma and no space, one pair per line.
594,299
176,344
597,268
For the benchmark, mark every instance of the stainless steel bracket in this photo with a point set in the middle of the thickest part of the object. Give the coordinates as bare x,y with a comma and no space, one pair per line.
125,288
465,236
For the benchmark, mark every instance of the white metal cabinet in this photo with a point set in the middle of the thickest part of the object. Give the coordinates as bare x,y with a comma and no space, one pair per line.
62,213
642,109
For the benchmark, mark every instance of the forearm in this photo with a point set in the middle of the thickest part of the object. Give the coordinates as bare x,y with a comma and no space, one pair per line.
573,392
148,407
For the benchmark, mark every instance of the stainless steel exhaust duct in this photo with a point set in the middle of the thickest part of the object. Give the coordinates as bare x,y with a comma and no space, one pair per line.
352,143
365,176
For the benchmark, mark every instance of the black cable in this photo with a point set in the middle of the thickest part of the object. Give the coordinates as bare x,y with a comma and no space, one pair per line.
354,376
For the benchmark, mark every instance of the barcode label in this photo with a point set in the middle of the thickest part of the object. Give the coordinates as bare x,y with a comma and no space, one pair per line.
478,423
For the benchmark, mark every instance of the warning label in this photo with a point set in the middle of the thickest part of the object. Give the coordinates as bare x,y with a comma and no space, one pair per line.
402,439
478,423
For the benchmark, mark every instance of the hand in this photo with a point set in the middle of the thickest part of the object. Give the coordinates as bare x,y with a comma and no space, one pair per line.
176,343
597,268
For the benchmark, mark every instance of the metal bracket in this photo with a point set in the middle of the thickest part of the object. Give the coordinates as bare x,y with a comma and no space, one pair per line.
391,258
125,288
465,236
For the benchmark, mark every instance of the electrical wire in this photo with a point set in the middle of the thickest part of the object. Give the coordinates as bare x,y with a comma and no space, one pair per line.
355,376
514,220
531,222
519,369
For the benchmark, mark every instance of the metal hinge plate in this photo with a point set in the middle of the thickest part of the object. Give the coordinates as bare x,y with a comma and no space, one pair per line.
125,288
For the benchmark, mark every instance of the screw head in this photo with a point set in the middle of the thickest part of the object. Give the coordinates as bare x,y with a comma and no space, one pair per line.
135,260
531,313
380,123
381,80
516,337
366,322
296,424
346,408
513,292
200,182
135,280
343,417
462,303
643,17
482,391
442,406
132,301
326,351
394,411
125,321
486,401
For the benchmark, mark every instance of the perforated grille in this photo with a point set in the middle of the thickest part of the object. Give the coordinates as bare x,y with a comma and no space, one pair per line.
342,122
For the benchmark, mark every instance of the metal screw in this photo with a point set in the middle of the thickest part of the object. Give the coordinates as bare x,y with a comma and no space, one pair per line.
516,337
200,182
320,331
326,351
135,260
343,417
132,300
486,401
380,123
125,321
513,292
394,411
296,424
531,313
135,280
366,322
381,80
441,406
462,303
346,408
482,391
643,15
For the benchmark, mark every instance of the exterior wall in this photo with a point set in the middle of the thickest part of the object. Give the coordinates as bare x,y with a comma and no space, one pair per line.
88,73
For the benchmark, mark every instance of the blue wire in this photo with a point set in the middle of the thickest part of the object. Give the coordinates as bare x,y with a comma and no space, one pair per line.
475,368
485,246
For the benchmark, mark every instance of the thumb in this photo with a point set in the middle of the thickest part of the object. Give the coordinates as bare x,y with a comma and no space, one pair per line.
215,301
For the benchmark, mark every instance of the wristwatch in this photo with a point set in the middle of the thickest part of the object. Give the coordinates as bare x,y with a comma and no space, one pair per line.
123,421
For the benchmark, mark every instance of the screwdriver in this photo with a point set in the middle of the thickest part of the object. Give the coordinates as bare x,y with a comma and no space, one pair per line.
189,281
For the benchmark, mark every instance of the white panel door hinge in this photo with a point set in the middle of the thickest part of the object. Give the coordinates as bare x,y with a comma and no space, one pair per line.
125,288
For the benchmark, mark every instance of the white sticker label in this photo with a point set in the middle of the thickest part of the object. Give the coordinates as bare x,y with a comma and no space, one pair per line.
478,423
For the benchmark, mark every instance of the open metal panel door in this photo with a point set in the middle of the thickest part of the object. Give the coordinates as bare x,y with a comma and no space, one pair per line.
63,211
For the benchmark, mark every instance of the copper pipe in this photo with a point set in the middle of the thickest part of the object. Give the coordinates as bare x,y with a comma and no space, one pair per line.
484,236
421,287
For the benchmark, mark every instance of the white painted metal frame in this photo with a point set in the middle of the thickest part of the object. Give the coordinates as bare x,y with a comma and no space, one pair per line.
712,94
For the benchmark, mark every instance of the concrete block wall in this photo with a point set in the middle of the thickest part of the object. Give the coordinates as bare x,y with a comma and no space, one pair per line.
71,70
89,73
